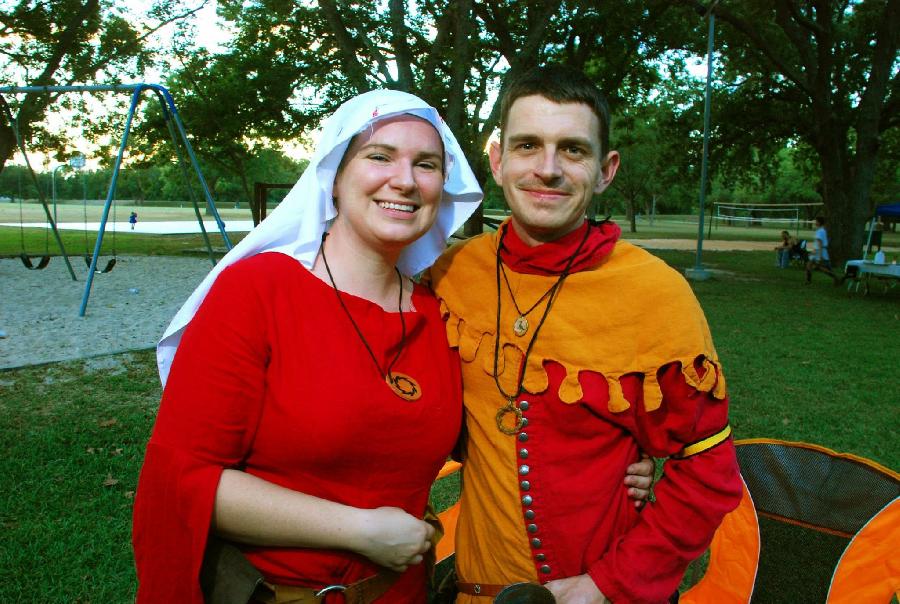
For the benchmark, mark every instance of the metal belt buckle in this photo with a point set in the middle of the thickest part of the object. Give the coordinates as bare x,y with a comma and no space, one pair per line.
525,593
330,589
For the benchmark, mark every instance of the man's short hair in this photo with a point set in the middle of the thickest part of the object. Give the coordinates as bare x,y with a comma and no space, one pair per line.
820,220
560,84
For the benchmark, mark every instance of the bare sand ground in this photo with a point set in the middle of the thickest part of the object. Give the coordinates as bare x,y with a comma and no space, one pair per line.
129,308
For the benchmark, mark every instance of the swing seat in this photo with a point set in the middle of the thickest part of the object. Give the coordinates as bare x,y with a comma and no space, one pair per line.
109,265
41,265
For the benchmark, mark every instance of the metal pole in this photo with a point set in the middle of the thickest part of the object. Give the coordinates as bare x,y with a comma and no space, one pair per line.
196,164
167,114
53,190
21,145
135,98
698,273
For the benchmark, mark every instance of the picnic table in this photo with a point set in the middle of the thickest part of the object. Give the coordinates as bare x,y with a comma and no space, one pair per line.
865,270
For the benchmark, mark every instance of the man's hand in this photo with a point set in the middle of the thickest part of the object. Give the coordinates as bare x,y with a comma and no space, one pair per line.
576,590
638,479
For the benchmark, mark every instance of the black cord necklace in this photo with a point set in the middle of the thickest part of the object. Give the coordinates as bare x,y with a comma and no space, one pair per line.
401,384
511,405
520,325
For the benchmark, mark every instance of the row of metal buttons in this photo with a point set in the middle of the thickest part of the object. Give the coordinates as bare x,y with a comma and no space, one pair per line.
527,500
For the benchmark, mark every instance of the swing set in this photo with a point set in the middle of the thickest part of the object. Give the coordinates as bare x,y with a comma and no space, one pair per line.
176,132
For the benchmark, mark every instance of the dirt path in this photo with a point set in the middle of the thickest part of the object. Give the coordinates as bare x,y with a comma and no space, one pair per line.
711,245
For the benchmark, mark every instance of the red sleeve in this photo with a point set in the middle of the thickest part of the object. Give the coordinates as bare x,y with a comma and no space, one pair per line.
206,421
646,563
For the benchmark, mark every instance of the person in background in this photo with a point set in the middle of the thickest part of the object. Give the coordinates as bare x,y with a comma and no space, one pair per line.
784,250
877,235
132,220
821,260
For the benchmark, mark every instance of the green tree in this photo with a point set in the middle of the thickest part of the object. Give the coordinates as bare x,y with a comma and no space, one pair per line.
64,42
824,73
652,169
290,63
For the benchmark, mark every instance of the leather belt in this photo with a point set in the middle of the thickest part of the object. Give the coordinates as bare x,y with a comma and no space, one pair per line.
365,591
487,590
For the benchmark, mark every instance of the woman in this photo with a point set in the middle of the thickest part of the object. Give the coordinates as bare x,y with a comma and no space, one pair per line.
313,396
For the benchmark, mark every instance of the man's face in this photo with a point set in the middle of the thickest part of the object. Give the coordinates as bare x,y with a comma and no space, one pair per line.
549,166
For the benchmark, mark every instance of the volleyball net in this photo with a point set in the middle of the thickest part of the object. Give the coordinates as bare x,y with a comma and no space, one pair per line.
784,216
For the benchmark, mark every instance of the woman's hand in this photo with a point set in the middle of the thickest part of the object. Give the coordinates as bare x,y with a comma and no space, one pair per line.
393,538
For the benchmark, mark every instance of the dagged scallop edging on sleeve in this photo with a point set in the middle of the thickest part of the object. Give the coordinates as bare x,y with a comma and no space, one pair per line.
645,290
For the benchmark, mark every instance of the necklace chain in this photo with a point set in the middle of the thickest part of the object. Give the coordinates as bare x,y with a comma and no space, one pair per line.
510,405
386,373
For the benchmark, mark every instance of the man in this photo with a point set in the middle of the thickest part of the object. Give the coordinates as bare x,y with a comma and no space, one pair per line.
821,260
578,352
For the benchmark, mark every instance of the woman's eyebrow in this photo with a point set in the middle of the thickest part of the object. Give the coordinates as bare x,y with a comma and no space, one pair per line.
392,148
368,146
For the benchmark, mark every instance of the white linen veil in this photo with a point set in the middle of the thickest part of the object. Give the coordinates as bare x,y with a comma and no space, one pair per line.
295,227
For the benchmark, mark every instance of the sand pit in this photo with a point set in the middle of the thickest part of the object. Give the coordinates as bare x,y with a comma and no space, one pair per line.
128,308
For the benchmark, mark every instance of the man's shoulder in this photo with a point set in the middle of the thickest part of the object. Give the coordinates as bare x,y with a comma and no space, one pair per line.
630,268
636,262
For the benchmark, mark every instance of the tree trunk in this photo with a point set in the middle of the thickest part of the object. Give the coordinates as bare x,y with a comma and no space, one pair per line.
629,214
475,225
7,144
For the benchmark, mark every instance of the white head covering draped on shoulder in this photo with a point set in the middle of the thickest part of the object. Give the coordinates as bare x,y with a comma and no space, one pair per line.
295,227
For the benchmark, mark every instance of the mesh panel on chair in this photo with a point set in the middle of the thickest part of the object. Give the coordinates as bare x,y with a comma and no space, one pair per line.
826,491
810,501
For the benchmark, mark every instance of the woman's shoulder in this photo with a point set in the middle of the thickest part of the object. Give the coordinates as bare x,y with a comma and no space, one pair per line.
261,271
265,264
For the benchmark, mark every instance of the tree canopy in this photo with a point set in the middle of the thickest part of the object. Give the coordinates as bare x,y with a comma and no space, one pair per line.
823,73
805,98
65,42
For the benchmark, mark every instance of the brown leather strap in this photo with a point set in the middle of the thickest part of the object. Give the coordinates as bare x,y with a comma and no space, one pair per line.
487,590
365,591
370,589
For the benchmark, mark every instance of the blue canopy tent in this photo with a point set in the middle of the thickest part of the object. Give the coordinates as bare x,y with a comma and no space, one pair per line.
889,209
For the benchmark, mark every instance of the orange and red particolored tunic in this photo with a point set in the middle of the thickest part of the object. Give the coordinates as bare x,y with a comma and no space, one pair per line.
624,362
271,378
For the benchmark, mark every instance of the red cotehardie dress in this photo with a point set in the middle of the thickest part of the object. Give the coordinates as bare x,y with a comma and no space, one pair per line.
271,378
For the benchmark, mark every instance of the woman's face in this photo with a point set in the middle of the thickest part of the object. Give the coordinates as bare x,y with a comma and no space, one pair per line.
389,185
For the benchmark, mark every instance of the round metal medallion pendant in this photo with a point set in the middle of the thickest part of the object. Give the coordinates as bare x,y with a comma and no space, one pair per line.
518,420
403,386
520,327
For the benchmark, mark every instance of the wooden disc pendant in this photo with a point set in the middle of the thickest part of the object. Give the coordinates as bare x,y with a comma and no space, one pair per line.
403,386
520,327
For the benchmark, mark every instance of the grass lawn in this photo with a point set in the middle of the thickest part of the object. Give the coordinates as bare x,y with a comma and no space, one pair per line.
808,363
